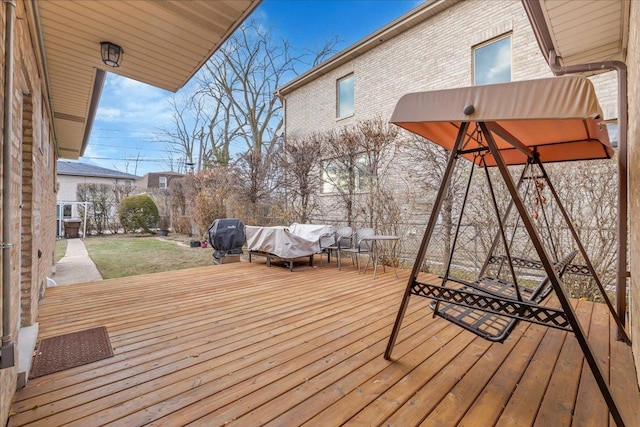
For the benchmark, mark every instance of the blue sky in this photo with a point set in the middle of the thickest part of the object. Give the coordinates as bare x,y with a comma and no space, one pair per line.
130,113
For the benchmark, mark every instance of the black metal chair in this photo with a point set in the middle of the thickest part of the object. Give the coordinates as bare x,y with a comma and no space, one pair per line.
342,240
360,246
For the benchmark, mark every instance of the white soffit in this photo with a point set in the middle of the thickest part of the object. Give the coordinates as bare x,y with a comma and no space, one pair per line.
165,42
587,31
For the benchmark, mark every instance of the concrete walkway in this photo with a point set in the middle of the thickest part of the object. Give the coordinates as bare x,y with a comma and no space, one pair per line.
76,266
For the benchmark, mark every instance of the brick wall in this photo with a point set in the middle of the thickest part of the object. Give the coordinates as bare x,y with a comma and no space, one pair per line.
435,54
633,79
26,247
33,226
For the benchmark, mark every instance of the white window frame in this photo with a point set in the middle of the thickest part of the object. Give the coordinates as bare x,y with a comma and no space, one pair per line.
163,182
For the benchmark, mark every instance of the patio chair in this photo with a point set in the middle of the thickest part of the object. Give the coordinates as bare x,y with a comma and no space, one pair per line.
361,246
342,241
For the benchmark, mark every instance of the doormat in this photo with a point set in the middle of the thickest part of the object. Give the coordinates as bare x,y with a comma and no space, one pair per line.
70,350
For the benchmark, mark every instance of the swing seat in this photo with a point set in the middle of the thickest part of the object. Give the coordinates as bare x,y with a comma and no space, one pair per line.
490,308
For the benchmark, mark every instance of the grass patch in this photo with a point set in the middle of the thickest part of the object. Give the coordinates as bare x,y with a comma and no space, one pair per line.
121,256
61,248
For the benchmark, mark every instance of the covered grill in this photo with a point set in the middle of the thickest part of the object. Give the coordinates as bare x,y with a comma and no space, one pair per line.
226,237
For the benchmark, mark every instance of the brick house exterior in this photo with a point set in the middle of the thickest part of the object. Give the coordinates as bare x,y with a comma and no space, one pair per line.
633,97
152,180
33,197
49,90
428,48
431,47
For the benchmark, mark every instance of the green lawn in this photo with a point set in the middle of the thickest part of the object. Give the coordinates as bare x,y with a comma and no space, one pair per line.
120,256
61,248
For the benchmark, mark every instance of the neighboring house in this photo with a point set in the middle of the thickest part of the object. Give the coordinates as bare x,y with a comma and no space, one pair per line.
50,87
72,174
156,181
156,184
453,43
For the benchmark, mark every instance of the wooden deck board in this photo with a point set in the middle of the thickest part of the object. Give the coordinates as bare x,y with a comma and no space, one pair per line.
559,400
461,396
591,409
250,345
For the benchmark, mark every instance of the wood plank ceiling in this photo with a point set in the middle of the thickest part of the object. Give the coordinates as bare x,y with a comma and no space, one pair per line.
587,31
164,43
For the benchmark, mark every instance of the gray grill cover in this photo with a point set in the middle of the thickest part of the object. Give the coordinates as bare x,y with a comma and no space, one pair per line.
226,237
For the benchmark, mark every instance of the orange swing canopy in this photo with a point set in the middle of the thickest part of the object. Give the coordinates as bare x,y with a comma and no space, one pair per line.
559,118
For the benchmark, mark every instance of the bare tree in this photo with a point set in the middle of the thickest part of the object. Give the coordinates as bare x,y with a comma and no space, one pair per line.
432,160
341,165
101,201
136,162
185,136
378,143
301,162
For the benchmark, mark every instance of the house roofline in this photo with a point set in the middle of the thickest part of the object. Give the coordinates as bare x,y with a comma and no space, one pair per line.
96,92
409,20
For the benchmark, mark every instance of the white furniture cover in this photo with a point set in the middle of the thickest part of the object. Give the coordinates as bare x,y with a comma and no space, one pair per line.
283,242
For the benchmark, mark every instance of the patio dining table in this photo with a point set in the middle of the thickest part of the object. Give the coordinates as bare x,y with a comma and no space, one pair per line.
382,245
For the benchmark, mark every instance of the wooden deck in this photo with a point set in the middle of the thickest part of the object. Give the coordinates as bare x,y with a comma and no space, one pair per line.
248,345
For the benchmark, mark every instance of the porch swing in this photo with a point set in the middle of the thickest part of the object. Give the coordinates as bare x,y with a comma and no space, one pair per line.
526,124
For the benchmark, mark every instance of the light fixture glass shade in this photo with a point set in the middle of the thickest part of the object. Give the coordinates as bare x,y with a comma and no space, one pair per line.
111,54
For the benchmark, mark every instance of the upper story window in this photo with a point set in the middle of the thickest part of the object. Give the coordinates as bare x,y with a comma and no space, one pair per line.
162,182
492,61
345,96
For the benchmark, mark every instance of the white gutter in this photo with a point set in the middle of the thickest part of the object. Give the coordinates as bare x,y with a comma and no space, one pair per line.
7,351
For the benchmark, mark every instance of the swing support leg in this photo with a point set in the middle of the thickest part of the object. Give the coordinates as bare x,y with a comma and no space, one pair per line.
616,317
446,178
553,277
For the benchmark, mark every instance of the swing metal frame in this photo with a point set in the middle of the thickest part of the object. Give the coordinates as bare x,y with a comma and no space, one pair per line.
476,296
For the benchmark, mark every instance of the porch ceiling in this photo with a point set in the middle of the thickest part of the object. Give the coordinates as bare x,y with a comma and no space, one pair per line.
582,32
164,44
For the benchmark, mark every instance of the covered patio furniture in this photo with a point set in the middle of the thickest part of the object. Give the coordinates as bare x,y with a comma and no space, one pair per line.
286,244
323,234
520,123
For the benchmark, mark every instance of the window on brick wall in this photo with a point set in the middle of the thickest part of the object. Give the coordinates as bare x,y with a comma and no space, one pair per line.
492,61
163,182
612,130
338,173
345,98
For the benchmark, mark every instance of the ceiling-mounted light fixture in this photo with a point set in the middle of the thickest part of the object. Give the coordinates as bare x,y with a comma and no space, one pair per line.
111,54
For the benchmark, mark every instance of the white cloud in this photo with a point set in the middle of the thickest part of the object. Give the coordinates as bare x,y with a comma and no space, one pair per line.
108,114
